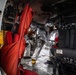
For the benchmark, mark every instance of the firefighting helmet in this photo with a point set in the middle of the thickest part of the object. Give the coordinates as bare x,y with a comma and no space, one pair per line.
49,24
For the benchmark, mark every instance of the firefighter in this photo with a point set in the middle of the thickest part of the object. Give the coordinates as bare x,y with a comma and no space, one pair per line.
45,54
52,33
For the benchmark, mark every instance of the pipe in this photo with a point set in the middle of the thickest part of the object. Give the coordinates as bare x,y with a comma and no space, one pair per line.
58,2
31,1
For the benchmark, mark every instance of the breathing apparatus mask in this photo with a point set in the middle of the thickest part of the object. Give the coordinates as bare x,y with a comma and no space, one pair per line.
49,26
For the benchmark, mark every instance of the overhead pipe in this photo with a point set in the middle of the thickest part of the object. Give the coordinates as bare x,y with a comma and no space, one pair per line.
31,1
58,2
53,16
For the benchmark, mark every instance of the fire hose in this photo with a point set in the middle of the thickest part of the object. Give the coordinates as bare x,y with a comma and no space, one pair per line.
69,53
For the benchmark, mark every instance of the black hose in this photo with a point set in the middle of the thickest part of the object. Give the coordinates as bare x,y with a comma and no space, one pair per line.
69,53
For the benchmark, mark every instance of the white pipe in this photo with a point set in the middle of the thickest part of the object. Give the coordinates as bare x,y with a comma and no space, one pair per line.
2,7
